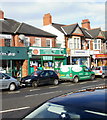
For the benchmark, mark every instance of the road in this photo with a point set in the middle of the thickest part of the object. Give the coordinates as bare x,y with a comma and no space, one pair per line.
15,104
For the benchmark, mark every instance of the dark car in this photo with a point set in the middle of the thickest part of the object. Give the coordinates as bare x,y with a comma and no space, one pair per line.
40,77
87,104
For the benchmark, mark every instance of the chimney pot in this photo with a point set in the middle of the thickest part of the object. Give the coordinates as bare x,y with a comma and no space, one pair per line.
1,14
86,24
47,19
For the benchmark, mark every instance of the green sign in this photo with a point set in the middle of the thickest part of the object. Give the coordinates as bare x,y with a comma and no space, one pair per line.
47,57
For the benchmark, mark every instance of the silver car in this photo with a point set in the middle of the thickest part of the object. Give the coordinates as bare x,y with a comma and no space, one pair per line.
100,71
8,82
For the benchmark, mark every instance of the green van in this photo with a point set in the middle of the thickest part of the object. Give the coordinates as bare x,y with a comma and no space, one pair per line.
75,73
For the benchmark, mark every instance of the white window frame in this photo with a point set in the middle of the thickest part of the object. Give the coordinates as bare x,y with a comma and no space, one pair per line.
36,43
27,41
98,44
50,42
74,43
88,43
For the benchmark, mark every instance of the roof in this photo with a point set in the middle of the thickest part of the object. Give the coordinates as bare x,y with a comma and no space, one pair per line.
58,26
89,100
86,33
10,26
69,28
28,29
94,32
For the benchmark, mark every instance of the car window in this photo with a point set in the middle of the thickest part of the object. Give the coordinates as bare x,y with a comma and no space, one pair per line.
44,74
36,73
52,73
5,76
86,69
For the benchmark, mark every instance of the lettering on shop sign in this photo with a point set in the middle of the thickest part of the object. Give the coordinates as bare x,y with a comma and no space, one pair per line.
7,54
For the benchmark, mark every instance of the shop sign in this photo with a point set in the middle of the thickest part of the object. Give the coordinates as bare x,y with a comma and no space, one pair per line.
47,57
101,56
7,54
36,51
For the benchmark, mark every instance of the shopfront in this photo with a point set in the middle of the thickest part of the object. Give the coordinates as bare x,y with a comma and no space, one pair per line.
11,60
46,58
100,59
80,57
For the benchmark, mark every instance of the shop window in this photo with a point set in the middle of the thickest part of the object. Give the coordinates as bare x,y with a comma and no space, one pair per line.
48,43
7,42
75,43
27,42
97,44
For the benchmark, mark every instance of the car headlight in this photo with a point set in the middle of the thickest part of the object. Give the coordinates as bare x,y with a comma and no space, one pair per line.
28,80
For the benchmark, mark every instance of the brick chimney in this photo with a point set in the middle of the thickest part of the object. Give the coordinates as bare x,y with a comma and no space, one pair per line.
86,24
47,19
1,14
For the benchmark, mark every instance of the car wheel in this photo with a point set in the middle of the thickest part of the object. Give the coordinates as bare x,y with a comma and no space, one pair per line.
103,75
12,87
92,77
55,82
76,79
34,84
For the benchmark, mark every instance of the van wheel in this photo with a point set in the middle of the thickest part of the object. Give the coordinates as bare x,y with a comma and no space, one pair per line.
55,82
103,75
92,77
76,79
12,87
34,84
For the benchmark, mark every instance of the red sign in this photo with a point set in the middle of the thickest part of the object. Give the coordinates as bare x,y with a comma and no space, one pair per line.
101,56
35,51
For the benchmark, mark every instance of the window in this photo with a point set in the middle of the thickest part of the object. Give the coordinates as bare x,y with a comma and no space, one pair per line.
97,44
7,42
37,42
75,43
48,43
27,42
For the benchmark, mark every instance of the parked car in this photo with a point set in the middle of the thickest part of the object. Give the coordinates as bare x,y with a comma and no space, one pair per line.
8,82
75,73
89,104
40,77
100,71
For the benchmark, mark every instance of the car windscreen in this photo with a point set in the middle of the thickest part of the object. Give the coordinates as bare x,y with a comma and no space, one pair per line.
36,73
56,111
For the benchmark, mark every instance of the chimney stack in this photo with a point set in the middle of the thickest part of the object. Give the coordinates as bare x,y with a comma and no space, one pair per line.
1,14
47,19
86,24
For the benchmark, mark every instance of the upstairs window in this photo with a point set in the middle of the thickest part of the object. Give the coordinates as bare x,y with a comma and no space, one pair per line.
97,44
27,42
37,42
7,42
48,43
75,43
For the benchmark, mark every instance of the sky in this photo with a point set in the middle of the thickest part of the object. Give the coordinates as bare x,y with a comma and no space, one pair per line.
62,11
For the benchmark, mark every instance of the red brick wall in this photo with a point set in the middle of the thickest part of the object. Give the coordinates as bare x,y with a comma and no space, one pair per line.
1,42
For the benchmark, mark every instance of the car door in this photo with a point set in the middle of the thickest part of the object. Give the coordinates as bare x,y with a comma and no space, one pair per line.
44,77
5,81
86,72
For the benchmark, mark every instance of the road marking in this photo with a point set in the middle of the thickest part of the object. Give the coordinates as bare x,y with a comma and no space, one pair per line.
4,111
53,87
83,82
64,83
34,90
31,95
42,94
70,85
13,92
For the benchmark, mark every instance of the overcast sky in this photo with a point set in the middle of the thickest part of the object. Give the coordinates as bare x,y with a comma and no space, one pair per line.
62,11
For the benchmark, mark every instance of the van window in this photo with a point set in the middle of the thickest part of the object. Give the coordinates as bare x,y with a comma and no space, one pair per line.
85,69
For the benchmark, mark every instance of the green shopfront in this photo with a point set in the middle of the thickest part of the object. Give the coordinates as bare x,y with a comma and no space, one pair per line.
11,60
46,58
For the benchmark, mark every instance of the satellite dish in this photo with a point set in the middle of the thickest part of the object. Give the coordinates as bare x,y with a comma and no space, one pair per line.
21,37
